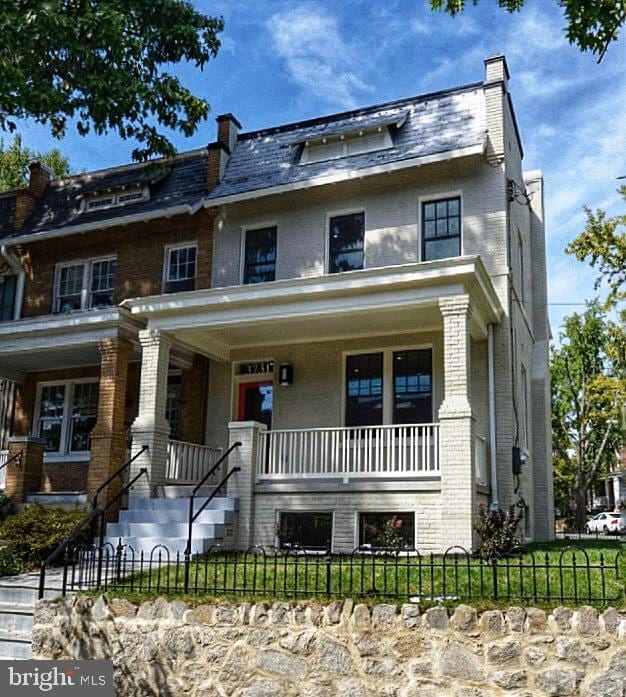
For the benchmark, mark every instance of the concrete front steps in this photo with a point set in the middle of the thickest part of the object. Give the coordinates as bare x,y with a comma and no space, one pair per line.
152,523
18,595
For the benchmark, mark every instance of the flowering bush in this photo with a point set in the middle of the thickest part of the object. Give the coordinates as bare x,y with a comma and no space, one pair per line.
390,535
498,530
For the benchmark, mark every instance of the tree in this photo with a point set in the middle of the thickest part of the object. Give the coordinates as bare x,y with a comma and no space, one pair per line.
102,64
592,25
15,158
588,388
603,244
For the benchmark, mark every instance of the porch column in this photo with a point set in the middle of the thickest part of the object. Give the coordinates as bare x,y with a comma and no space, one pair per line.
108,439
24,477
150,427
241,484
458,481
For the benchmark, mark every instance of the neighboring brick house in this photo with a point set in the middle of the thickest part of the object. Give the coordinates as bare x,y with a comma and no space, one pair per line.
374,332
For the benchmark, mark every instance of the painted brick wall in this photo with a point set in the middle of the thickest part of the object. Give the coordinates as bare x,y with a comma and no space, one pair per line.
140,255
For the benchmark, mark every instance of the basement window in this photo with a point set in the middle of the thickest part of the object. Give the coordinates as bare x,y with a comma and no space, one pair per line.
307,530
389,530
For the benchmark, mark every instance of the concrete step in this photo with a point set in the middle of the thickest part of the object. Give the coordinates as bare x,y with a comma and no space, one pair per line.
147,545
23,595
164,530
175,515
226,503
16,618
15,645
181,491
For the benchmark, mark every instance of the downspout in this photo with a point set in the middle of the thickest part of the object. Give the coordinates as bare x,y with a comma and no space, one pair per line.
495,497
16,265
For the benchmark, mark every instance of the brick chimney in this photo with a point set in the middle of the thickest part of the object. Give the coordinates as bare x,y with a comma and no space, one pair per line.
495,88
27,198
219,151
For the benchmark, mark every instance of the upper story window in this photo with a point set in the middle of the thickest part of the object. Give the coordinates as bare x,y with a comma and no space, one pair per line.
66,415
524,406
259,264
96,202
520,259
180,268
8,284
88,284
332,148
346,246
441,229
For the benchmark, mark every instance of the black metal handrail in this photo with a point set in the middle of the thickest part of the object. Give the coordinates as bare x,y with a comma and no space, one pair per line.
18,456
193,516
103,486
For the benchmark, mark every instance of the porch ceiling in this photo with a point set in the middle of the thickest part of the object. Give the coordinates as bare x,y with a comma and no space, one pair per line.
359,303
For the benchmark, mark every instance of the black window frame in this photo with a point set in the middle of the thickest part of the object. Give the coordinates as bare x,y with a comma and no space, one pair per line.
7,297
420,392
247,279
333,266
409,541
458,236
349,421
317,544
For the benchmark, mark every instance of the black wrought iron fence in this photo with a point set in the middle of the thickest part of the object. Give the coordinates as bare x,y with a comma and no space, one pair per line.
570,574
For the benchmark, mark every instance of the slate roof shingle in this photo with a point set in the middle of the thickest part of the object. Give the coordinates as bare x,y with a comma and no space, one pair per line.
435,123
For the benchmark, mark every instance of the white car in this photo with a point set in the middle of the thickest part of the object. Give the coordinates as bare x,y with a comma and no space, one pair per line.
608,523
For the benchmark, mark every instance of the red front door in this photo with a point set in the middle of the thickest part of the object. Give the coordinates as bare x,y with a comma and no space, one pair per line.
255,402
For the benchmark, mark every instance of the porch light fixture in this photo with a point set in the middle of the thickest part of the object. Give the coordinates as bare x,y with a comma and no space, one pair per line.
285,374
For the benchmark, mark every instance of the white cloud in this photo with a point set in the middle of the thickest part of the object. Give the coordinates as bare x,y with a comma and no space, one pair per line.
317,57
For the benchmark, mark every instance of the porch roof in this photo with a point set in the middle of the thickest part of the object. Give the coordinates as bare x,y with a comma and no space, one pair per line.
368,302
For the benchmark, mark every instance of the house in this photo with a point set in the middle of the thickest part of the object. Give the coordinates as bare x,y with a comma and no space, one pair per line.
366,332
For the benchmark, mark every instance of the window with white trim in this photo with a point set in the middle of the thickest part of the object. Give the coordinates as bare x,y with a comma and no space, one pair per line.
97,202
524,406
180,268
520,260
66,414
88,284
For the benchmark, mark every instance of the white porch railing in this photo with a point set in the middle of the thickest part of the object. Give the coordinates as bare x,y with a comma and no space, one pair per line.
364,451
4,456
480,459
189,462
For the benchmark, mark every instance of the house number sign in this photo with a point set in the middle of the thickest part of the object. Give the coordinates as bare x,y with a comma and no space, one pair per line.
256,368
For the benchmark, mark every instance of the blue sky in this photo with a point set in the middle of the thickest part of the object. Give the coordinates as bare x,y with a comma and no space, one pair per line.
285,61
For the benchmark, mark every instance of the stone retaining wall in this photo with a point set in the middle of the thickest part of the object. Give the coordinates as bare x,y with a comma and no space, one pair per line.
313,650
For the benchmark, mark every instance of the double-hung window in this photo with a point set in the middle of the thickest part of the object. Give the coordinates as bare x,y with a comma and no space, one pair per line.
8,284
259,263
66,415
85,285
180,268
441,229
346,244
389,387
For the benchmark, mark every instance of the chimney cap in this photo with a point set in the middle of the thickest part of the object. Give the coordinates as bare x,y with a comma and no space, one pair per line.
499,58
228,117
36,164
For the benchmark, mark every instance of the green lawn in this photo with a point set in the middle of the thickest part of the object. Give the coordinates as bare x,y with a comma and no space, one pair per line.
550,574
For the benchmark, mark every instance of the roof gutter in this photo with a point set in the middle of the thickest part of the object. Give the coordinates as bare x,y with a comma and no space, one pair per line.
101,225
477,149
14,262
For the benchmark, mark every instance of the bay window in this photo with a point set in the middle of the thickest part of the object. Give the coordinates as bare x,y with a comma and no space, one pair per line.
84,285
65,416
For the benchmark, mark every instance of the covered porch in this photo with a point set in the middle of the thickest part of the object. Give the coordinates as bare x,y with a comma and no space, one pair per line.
305,374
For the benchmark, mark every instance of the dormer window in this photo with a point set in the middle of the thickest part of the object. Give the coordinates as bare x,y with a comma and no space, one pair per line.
334,147
113,199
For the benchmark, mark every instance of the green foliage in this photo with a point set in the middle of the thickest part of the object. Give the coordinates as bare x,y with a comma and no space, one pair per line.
588,373
11,564
389,535
498,530
103,64
15,158
603,244
591,24
34,532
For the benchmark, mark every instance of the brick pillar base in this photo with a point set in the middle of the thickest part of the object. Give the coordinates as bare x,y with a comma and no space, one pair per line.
241,484
25,477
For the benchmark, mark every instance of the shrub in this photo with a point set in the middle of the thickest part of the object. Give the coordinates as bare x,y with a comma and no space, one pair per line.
10,563
34,532
498,530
